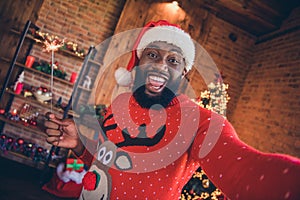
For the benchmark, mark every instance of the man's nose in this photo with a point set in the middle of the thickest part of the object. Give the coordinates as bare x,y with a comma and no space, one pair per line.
161,65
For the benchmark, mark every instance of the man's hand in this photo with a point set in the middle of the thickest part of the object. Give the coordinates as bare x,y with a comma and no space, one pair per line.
62,133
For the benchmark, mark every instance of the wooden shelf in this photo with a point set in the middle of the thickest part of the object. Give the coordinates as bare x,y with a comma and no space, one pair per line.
33,100
83,88
95,62
63,51
20,125
39,72
25,160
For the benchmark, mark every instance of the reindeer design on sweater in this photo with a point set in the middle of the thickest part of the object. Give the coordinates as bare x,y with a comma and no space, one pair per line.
107,155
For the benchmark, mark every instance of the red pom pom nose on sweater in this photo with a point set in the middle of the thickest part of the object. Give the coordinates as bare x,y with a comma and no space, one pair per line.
90,180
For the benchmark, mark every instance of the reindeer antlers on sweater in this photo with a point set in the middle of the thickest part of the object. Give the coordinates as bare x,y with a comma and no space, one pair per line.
140,140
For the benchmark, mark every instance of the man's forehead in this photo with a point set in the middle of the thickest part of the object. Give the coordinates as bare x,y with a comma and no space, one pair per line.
165,46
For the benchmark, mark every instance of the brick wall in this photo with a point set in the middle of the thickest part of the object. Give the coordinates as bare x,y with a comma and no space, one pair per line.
84,22
232,58
267,113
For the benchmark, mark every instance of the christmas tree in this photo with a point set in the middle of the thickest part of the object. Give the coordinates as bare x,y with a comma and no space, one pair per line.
215,98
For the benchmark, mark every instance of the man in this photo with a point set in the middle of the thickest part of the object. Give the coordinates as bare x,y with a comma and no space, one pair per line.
153,139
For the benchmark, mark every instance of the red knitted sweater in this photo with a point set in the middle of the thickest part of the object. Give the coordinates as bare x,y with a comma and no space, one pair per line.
173,142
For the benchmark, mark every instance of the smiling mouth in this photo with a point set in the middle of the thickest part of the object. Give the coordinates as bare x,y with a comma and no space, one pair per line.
155,83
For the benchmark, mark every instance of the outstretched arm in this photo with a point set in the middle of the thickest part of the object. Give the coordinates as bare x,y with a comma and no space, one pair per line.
242,172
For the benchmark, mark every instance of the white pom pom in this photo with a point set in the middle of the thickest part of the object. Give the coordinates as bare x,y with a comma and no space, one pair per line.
63,175
123,77
77,176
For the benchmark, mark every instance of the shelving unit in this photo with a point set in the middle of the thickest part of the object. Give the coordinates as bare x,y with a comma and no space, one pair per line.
32,70
17,68
88,68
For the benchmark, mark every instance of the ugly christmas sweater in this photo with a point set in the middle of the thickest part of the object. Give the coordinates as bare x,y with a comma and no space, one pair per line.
152,153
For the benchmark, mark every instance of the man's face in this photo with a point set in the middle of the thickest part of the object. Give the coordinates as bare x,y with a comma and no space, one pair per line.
160,69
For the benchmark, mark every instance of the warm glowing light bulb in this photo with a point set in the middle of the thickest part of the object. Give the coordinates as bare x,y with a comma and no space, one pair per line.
175,3
14,112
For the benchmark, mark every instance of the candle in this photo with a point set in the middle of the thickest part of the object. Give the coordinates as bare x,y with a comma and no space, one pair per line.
19,88
29,61
73,77
14,112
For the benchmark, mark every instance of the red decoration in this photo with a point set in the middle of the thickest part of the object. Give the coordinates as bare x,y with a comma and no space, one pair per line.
19,88
74,164
29,61
89,181
2,111
20,141
73,77
40,149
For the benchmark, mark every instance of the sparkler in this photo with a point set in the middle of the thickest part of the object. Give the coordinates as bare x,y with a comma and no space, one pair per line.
51,43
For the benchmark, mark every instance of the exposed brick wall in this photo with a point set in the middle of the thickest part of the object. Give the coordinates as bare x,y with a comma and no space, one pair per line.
267,113
85,22
232,58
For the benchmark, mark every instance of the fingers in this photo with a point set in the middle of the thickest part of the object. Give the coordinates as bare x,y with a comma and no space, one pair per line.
51,125
53,140
54,132
54,136
51,117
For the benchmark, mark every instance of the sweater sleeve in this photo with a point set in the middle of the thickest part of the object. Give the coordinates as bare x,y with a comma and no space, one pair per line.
240,171
88,154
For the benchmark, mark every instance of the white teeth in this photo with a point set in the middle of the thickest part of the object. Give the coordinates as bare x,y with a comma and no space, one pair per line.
157,78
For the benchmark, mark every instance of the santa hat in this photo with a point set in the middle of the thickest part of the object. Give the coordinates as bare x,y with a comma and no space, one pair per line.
157,31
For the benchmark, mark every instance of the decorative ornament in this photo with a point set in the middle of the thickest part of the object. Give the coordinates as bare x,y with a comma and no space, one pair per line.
87,82
18,87
45,67
91,180
74,164
43,94
2,111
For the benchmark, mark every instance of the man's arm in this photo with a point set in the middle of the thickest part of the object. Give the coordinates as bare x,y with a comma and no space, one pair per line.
85,150
242,172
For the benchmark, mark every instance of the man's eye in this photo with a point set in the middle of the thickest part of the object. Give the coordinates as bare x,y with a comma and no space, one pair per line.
152,55
174,61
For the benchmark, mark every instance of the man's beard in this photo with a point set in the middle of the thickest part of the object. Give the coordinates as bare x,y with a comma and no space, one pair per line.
154,102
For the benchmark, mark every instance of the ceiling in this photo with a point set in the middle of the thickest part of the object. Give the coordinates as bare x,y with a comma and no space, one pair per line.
257,17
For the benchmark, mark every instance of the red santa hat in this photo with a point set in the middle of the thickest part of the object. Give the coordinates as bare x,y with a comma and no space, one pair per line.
157,31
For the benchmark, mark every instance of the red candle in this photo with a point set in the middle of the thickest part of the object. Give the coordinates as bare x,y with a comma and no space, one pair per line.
19,88
29,61
73,77
14,112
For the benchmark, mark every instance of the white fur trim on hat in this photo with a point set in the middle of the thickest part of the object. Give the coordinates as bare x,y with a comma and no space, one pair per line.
123,77
171,35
